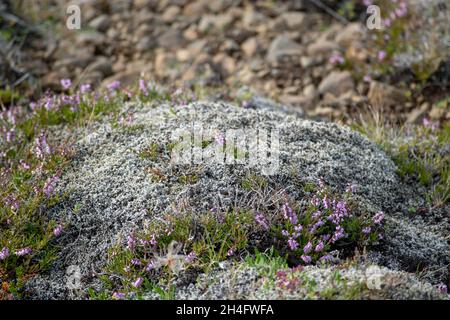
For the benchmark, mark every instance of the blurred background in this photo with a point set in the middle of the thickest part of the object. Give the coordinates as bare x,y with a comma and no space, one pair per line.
316,56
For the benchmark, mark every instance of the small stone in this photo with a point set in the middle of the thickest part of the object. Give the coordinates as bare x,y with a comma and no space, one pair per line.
295,20
250,46
102,65
171,13
337,83
100,23
351,33
322,47
282,46
437,113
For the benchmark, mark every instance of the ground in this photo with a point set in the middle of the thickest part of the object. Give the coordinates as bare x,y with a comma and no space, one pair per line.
224,150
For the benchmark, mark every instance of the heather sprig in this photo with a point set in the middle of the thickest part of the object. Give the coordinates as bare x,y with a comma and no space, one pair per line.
322,223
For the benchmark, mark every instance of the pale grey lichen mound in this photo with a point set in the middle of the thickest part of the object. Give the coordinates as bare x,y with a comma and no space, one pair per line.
112,190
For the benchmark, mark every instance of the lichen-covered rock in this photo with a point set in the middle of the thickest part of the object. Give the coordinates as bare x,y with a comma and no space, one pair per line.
123,176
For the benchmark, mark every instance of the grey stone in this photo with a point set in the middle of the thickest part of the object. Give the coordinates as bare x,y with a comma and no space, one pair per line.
281,46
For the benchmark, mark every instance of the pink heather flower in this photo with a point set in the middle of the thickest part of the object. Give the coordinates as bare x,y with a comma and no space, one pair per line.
306,259
220,139
378,217
261,220
285,233
387,22
143,87
338,234
315,201
131,242
153,241
325,202
368,2
135,262
307,248
336,59
326,258
4,253
319,246
24,165
289,214
317,214
23,252
366,230
191,257
367,78
113,85
42,148
293,244
401,11
58,230
50,185
138,282
230,252
85,88
245,104
49,102
66,83
118,295
150,266
442,288
426,122
381,55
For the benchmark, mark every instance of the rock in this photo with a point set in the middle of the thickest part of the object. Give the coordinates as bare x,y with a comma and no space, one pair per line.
337,83
382,95
282,46
144,4
145,43
250,47
171,13
100,23
90,37
102,65
295,20
353,32
219,22
309,90
252,18
170,39
322,47
437,113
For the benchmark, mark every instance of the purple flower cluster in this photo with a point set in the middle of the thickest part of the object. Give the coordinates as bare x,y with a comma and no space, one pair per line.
58,230
289,214
50,185
262,221
378,217
4,253
42,148
23,252
322,223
